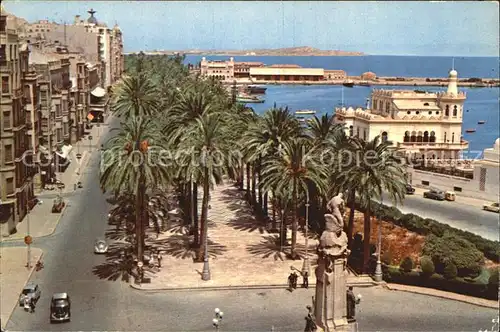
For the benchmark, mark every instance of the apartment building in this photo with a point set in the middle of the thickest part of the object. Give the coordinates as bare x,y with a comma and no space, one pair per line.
15,189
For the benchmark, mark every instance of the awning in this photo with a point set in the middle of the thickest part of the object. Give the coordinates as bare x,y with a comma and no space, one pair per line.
98,92
65,151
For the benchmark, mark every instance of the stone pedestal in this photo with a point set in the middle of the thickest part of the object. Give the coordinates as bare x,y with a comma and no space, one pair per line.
330,307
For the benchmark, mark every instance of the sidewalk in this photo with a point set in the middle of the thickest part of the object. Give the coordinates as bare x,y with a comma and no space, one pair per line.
42,221
242,253
13,276
445,295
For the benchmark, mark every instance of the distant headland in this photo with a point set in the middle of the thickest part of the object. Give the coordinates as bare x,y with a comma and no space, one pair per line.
288,51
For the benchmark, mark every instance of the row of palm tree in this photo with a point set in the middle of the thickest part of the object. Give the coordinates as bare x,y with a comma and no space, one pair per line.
209,136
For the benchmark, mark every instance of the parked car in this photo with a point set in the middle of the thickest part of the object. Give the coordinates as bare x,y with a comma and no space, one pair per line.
493,207
409,189
435,194
100,247
60,308
30,291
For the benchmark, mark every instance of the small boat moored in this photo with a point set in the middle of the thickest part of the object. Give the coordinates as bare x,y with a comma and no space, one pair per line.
256,89
305,112
481,122
248,99
348,84
470,130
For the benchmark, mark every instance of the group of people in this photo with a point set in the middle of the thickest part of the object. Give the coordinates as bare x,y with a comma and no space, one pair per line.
293,278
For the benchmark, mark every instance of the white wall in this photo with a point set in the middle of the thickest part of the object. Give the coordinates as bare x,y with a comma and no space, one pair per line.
470,187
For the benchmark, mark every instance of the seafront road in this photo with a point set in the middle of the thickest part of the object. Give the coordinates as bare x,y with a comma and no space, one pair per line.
468,216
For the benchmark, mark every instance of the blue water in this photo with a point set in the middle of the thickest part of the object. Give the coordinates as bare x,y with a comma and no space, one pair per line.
481,103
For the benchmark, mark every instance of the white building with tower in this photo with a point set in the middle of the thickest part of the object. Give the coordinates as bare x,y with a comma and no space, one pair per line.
423,124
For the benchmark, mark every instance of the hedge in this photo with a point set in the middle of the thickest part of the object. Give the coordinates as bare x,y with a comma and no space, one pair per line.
393,274
426,226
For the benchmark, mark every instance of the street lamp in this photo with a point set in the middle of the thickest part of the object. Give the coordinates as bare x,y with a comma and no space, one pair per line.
305,265
218,318
28,239
378,269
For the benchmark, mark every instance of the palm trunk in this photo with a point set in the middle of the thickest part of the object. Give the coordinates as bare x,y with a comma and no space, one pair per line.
253,200
366,238
266,212
196,223
138,221
294,222
242,175
350,227
274,204
248,183
204,216
259,185
283,228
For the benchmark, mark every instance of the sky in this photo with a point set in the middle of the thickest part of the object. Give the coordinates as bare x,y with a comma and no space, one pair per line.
378,28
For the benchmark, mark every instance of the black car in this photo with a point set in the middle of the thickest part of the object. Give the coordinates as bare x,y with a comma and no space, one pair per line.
435,194
409,189
60,308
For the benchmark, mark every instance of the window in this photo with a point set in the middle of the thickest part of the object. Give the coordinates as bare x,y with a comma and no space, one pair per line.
425,183
453,137
10,185
447,111
417,112
364,134
426,104
455,111
5,84
457,189
407,137
437,112
430,112
6,120
8,153
351,131
408,112
357,132
445,141
384,136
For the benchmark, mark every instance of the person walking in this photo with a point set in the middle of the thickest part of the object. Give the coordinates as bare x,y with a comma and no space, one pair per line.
295,278
159,259
305,280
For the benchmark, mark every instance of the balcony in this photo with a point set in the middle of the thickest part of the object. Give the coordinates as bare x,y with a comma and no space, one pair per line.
434,145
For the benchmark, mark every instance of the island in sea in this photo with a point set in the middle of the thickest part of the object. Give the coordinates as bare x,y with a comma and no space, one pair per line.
288,51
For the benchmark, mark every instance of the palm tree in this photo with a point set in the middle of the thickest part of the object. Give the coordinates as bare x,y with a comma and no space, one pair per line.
290,172
134,96
131,163
205,138
375,169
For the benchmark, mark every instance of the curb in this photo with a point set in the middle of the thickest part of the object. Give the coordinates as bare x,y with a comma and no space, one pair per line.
63,211
242,287
27,279
445,295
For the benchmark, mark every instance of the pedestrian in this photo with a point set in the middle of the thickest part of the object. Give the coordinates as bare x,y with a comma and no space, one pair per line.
32,305
295,278
159,259
305,280
290,282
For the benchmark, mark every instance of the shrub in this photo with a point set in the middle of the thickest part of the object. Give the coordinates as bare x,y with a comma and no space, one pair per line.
427,266
494,275
463,254
406,265
450,270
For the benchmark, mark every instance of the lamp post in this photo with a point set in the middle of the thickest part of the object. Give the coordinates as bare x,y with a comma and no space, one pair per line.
305,265
28,239
378,268
218,318
205,275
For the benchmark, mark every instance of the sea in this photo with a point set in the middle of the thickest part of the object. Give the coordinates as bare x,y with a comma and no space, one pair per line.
481,103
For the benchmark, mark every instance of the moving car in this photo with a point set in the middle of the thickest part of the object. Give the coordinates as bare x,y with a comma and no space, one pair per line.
493,207
100,247
30,291
409,189
60,308
435,194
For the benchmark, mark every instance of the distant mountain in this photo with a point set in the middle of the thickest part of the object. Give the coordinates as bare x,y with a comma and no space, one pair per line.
288,51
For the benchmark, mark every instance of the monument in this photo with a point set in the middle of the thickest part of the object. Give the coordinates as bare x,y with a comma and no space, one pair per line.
330,302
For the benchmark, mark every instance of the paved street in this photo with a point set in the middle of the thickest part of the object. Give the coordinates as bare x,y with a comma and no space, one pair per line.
103,305
456,214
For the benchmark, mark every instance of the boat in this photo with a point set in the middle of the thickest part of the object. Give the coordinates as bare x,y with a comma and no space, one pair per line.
256,89
305,112
470,130
249,99
481,122
364,83
348,84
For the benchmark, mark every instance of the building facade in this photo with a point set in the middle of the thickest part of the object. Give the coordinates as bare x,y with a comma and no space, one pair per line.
424,125
242,69
287,74
15,189
221,70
